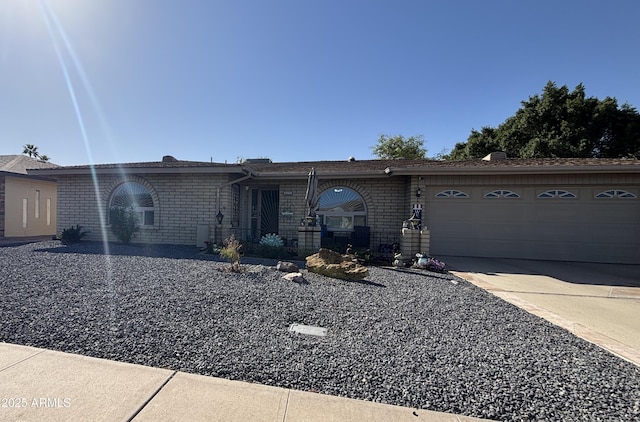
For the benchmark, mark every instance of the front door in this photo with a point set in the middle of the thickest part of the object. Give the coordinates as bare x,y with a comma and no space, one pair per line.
265,206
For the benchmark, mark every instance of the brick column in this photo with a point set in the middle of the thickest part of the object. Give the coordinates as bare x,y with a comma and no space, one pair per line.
308,239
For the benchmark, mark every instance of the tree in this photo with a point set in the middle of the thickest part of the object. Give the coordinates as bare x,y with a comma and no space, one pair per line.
560,123
31,151
394,147
44,158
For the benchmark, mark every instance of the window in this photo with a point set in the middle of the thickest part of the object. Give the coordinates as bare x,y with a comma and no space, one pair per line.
25,207
501,194
342,209
557,194
131,194
37,214
452,194
616,193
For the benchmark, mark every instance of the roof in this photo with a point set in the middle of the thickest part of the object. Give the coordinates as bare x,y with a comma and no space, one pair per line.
363,168
21,163
169,166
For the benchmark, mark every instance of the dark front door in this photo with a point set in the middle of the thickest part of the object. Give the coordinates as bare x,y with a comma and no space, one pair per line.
265,205
269,209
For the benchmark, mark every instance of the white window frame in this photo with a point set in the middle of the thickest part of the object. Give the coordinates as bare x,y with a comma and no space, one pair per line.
143,213
557,194
501,193
615,194
452,193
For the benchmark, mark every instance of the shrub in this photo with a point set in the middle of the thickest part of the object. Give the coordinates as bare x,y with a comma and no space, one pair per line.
124,223
231,252
72,234
272,246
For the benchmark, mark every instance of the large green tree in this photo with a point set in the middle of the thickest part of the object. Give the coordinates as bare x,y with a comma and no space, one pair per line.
560,123
395,147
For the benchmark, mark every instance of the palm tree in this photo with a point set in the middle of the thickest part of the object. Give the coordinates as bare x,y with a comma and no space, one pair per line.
44,158
31,151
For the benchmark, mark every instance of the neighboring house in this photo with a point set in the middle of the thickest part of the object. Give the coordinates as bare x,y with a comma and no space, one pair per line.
558,209
27,202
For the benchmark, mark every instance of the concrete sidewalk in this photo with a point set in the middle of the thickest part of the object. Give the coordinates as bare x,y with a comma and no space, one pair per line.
597,302
44,385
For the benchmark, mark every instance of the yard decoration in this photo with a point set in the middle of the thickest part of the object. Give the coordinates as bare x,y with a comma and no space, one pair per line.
426,262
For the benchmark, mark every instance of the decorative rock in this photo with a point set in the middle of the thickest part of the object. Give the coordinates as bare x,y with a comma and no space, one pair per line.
332,264
296,277
287,267
329,257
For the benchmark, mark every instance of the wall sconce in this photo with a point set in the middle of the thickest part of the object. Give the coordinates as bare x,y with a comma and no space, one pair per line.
219,216
418,192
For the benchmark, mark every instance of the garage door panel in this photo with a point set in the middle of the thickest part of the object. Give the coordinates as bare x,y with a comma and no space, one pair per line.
581,229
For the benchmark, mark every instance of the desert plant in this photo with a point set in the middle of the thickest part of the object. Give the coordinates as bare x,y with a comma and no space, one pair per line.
124,223
72,234
272,246
231,252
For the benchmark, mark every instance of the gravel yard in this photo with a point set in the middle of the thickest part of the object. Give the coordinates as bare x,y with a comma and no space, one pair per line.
409,338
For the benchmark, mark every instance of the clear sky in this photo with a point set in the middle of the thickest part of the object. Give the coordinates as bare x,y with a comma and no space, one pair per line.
103,81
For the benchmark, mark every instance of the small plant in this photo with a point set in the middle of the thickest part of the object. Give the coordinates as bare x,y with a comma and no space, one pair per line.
72,234
272,246
124,223
231,252
211,248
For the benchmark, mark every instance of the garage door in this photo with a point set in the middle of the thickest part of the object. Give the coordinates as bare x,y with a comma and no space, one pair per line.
569,224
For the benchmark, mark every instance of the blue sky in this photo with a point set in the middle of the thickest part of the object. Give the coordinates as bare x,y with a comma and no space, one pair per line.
105,81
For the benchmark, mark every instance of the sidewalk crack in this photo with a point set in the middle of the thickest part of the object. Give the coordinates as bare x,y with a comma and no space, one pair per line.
286,406
137,412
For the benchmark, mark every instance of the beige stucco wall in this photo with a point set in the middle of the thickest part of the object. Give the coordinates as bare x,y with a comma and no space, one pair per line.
40,222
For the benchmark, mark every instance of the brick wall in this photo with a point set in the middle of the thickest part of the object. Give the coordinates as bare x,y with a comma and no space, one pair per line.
182,202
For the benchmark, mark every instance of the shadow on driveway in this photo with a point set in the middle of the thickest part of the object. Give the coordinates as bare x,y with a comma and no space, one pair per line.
623,275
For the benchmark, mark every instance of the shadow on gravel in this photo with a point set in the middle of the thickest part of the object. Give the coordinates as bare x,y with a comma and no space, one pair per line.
139,250
151,251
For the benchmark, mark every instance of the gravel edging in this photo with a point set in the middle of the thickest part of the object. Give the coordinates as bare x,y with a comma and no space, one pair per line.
415,339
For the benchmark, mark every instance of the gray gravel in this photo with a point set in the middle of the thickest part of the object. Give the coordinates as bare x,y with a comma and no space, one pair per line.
415,339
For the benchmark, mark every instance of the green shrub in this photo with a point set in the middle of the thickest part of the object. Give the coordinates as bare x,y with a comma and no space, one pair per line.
124,223
231,252
72,234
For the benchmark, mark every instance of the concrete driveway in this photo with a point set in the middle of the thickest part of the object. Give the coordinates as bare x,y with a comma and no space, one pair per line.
598,302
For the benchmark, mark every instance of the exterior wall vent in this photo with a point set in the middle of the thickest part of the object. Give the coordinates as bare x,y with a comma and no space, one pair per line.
495,156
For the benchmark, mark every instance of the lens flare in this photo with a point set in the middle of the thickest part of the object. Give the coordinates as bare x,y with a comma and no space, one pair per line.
56,33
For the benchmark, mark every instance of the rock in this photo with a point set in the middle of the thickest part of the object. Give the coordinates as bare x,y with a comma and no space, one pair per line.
332,264
296,277
287,267
329,257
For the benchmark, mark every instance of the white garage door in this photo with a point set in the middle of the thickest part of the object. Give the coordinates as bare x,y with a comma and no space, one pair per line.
569,224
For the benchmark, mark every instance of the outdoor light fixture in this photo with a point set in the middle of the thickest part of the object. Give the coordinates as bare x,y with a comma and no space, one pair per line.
219,216
418,192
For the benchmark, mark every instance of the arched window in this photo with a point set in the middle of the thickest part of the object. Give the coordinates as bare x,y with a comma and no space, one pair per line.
616,193
132,194
557,193
342,209
501,193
